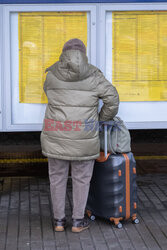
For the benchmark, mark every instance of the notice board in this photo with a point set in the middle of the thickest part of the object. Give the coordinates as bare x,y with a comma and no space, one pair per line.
139,55
41,39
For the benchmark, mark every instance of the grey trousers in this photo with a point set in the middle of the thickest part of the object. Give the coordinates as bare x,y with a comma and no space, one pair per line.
81,173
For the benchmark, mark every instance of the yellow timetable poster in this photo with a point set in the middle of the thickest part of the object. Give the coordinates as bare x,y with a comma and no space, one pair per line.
139,69
41,39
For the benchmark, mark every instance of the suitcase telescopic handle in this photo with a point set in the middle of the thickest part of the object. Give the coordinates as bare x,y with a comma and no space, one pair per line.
105,140
107,124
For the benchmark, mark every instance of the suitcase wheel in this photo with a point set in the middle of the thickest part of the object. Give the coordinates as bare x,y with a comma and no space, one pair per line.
135,221
116,221
119,225
134,218
90,215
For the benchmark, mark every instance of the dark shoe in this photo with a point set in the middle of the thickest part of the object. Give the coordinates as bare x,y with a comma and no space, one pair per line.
60,224
78,225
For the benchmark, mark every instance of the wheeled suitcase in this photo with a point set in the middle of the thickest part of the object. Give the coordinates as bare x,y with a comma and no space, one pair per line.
113,188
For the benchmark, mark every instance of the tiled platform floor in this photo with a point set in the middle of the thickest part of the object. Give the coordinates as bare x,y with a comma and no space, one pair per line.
26,219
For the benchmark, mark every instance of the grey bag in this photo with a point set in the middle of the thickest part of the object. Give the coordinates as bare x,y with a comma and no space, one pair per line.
115,138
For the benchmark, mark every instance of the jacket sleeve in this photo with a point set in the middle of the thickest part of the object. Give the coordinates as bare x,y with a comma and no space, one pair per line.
109,95
45,84
44,87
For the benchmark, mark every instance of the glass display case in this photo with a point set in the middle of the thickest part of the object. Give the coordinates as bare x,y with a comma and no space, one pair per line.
127,41
134,60
34,38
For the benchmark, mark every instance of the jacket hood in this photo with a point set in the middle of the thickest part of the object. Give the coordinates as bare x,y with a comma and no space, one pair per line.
72,66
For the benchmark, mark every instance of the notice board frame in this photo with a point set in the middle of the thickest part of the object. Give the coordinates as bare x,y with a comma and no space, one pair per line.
104,8
7,10
1,60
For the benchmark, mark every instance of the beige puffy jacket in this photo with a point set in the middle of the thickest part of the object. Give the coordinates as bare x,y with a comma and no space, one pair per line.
73,88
